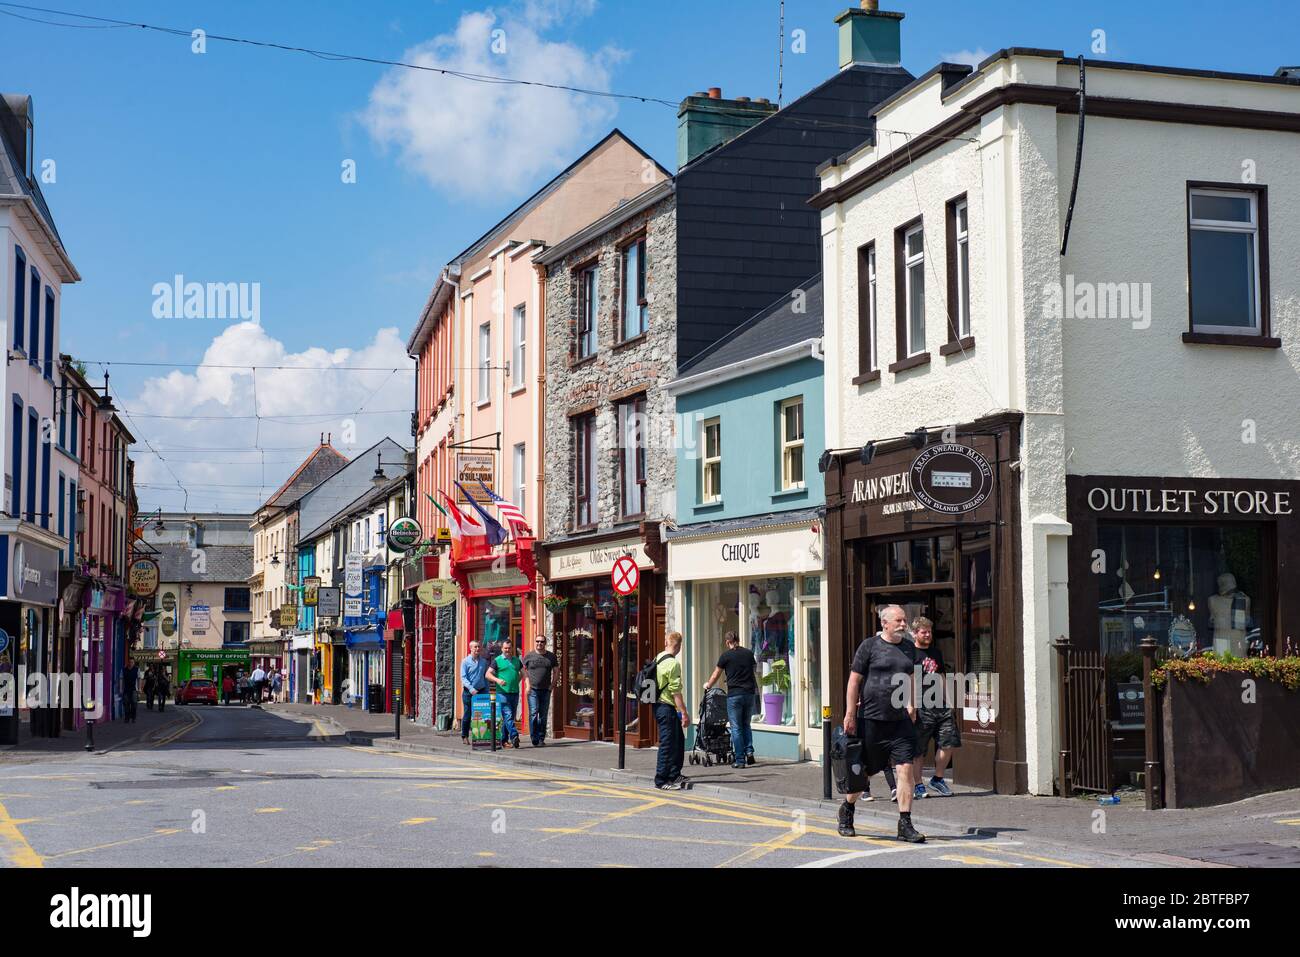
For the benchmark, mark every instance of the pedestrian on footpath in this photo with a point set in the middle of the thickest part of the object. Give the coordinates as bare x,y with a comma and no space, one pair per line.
538,665
505,672
473,680
937,722
245,686
277,684
738,665
883,719
130,688
227,688
161,688
258,679
150,683
671,716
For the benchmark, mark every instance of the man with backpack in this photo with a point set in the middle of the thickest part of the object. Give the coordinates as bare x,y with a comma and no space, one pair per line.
665,690
935,718
880,708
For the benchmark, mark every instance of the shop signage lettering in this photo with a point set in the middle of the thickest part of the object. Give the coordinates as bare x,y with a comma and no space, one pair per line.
743,553
143,577
1186,501
881,486
327,602
596,560
951,479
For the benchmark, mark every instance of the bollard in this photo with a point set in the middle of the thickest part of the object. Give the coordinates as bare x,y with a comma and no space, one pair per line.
826,754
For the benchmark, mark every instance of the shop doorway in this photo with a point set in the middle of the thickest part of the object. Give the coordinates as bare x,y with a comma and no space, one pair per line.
960,604
810,682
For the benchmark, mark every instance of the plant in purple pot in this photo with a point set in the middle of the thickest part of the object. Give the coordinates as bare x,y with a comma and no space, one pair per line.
778,679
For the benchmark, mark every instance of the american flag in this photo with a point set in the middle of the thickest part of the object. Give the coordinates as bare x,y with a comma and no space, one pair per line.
510,513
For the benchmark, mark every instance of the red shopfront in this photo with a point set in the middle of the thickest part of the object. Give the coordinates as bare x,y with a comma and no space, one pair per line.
499,595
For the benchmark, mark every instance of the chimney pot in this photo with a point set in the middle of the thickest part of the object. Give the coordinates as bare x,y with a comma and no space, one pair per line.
715,93
872,5
742,99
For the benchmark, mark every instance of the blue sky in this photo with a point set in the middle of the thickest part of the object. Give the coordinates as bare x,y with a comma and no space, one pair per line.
226,167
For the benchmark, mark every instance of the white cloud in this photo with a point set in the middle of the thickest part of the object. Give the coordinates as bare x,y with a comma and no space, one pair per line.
487,139
197,406
973,57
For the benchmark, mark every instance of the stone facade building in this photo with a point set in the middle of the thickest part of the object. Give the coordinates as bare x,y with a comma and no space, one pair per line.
609,479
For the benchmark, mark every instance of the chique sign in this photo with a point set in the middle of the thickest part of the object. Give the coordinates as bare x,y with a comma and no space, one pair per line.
953,479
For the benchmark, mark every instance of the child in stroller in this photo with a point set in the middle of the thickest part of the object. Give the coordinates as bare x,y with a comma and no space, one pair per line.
712,737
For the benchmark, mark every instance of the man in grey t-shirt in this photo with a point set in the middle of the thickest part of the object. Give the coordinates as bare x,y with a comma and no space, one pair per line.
538,665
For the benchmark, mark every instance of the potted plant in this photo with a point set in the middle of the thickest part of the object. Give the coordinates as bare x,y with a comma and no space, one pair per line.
778,679
555,603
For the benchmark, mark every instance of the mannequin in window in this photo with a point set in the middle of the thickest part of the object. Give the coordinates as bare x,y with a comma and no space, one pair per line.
755,622
1229,617
776,627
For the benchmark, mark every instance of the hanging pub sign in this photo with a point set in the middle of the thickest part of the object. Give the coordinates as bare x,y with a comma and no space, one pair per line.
436,592
288,615
143,577
952,479
311,591
328,601
404,534
471,469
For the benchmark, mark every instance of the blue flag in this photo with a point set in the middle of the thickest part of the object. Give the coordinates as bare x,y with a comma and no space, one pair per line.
495,533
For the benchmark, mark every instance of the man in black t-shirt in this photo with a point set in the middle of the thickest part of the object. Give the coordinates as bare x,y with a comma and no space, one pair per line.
538,665
934,718
880,708
738,664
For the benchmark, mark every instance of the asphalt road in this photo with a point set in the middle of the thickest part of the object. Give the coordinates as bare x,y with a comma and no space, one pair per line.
239,786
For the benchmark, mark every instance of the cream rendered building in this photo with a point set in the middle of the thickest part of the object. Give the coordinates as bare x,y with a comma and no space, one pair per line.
1133,396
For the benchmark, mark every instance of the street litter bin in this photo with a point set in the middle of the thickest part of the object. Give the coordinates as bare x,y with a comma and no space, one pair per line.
376,699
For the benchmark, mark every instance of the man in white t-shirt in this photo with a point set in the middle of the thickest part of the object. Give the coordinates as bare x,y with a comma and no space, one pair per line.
258,677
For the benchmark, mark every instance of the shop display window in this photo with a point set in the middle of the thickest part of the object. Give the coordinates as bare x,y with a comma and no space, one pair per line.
770,626
580,657
912,561
1191,587
717,612
499,619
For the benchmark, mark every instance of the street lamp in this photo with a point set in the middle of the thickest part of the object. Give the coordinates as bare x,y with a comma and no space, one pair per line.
380,478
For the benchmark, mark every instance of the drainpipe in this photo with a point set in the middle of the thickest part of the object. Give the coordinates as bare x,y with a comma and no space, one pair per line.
539,519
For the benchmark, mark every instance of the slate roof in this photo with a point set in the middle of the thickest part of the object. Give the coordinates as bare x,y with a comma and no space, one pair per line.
745,231
319,466
222,563
777,326
13,178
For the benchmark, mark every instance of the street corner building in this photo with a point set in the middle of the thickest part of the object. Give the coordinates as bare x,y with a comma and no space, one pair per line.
1060,413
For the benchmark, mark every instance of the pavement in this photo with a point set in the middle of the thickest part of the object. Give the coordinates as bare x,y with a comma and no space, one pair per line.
1259,831
134,800
241,787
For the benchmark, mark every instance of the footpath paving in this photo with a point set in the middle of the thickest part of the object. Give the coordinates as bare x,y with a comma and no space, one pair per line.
150,729
1260,831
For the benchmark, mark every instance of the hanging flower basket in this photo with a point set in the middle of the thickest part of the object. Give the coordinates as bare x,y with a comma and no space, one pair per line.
555,603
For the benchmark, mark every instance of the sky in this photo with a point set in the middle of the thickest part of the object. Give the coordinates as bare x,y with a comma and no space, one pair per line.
334,191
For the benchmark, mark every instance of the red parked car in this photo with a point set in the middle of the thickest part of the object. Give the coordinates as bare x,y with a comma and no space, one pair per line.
197,691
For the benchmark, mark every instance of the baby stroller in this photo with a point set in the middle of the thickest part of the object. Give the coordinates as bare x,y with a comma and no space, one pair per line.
712,736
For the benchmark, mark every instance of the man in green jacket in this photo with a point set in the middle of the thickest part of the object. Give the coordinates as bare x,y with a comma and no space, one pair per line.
505,673
671,716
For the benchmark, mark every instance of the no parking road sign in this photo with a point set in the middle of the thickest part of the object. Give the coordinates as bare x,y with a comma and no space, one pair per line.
625,576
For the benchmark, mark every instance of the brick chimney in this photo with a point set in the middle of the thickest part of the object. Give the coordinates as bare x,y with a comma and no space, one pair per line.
870,36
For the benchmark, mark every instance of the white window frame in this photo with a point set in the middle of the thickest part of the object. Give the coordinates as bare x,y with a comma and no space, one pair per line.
1229,226
910,262
960,213
484,362
519,344
520,463
708,495
790,447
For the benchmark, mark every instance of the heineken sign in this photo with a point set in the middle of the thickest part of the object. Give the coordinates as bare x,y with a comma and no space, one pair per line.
404,534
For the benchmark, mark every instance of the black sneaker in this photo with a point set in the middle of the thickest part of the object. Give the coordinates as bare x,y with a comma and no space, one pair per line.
846,820
749,759
908,833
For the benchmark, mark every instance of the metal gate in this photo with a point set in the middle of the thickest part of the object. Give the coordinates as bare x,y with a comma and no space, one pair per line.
1085,749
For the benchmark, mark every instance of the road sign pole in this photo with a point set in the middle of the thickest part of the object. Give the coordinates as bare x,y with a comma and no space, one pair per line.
622,693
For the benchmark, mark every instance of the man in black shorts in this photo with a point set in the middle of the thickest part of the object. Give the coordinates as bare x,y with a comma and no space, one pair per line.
879,707
934,717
